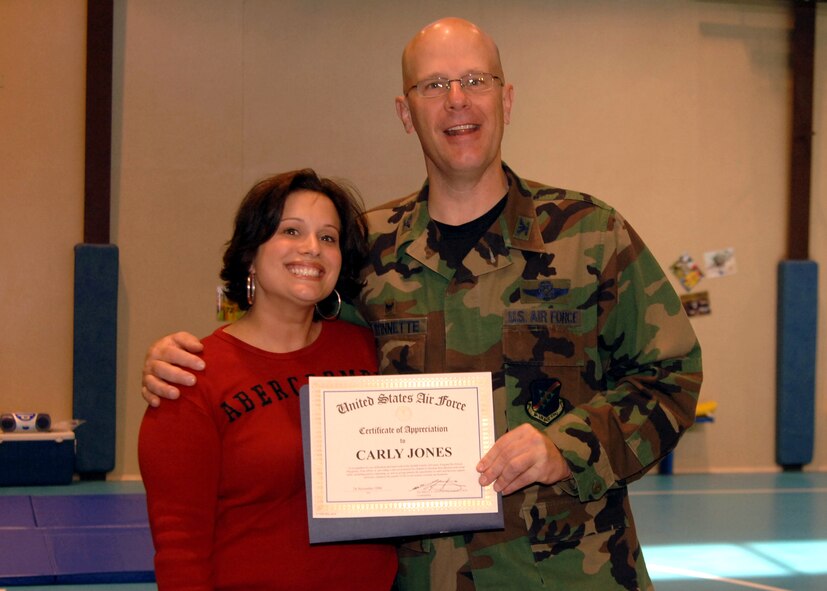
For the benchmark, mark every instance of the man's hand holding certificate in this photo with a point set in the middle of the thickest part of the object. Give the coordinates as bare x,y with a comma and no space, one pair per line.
399,453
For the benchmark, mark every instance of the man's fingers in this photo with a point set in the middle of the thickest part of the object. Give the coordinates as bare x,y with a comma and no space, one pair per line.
494,462
154,387
150,398
512,470
166,363
187,341
161,356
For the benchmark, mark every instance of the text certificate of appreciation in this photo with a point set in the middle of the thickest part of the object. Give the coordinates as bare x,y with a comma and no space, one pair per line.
396,455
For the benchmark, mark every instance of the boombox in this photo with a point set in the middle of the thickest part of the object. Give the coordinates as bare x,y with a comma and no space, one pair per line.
25,421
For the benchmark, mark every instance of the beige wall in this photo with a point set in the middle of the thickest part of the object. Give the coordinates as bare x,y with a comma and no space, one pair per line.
42,110
675,112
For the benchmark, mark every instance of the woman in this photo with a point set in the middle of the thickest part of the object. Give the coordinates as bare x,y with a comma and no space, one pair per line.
223,469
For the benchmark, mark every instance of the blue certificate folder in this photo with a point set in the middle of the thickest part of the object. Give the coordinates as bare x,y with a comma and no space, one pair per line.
334,529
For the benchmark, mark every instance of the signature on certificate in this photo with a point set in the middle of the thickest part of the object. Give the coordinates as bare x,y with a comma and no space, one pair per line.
440,485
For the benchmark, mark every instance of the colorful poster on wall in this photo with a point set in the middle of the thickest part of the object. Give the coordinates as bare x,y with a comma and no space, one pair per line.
687,271
696,304
720,262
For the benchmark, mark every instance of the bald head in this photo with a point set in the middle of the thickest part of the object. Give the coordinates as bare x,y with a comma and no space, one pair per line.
449,41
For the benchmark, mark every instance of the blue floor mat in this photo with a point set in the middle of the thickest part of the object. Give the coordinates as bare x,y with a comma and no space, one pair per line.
25,558
16,511
77,539
90,511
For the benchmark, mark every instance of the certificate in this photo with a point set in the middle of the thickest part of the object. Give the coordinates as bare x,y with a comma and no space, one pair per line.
396,455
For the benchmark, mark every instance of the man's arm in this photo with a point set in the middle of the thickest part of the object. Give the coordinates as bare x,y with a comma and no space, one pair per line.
652,372
163,366
653,366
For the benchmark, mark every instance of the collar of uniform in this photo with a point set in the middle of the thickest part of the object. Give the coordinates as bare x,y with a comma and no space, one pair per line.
518,225
518,222
413,231
415,218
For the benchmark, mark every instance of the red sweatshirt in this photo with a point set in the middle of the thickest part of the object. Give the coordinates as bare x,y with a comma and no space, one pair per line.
224,473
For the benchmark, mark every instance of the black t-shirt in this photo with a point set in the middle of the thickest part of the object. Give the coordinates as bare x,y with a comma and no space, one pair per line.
457,241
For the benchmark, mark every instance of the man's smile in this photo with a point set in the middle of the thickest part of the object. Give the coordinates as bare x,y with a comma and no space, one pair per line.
463,129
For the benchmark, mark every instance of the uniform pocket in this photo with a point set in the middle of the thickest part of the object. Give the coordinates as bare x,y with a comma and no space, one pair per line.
564,532
543,366
401,345
567,519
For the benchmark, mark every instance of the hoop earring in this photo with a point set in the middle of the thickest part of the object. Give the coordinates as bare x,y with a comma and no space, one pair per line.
335,313
251,288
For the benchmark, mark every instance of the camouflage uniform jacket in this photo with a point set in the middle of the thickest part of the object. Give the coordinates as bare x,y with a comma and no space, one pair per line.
586,340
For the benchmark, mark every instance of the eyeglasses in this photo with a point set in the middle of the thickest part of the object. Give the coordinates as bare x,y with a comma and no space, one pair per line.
476,83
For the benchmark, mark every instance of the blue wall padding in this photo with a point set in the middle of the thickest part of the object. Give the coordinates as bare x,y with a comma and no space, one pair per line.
95,344
796,362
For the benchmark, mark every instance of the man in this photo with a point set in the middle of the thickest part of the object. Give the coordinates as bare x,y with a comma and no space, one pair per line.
596,369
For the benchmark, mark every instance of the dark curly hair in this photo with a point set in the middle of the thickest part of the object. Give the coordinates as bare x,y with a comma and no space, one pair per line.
258,218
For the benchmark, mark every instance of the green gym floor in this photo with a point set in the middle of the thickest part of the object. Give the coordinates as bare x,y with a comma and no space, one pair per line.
710,532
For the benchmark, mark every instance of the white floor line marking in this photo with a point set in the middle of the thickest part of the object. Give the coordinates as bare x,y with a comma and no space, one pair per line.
684,572
728,491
